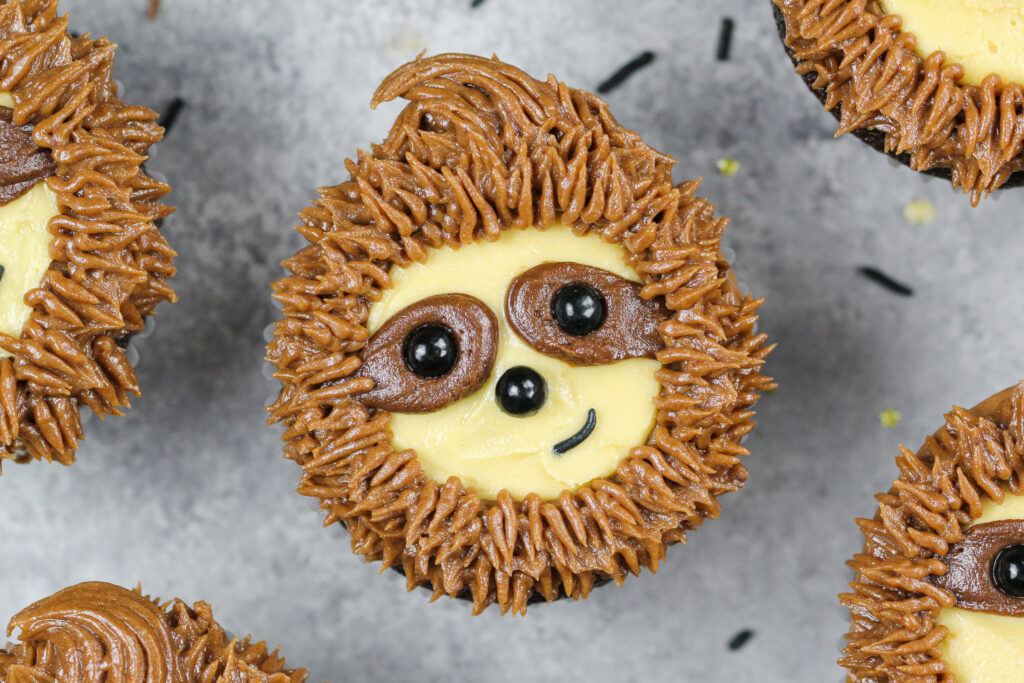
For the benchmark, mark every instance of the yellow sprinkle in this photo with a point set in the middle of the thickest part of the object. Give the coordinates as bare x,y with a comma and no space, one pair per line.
890,418
919,212
728,166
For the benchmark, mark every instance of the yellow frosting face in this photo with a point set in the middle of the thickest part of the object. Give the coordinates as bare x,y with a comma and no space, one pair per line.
473,439
985,36
981,647
24,253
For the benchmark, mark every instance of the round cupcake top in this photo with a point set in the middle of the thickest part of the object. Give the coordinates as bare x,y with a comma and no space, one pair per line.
81,261
525,272
98,632
939,589
867,63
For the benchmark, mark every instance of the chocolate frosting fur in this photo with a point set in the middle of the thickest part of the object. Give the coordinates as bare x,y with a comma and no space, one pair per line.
482,147
101,633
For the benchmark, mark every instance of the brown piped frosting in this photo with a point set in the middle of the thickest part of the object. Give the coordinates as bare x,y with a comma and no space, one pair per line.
110,263
867,67
482,147
916,538
99,633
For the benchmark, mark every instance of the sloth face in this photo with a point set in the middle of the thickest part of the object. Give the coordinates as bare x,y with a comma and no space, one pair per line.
526,364
26,207
986,573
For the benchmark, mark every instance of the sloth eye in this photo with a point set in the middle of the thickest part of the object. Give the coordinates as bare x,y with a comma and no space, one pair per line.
578,309
1008,570
431,350
583,315
430,354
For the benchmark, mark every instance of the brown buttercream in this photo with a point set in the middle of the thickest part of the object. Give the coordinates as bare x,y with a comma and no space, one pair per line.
22,162
99,633
110,263
969,568
868,68
895,599
630,328
397,388
480,148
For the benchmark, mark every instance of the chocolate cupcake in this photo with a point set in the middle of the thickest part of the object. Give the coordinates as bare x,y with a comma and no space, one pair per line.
514,360
82,262
939,589
98,632
936,85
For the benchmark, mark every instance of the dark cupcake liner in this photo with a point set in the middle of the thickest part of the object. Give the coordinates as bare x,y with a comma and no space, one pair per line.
871,136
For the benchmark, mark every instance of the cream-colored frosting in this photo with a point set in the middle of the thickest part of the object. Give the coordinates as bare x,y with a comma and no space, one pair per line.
473,439
24,253
981,647
985,36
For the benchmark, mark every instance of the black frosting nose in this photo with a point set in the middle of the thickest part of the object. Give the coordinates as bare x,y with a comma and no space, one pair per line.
521,391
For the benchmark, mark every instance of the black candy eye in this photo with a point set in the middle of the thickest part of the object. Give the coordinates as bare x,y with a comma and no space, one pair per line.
431,351
578,309
521,391
1008,570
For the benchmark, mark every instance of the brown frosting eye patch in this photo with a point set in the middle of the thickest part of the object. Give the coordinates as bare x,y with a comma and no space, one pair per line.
430,354
583,315
22,162
986,570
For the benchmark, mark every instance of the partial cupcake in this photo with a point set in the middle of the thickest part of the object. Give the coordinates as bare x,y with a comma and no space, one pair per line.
939,590
98,632
515,362
936,84
82,262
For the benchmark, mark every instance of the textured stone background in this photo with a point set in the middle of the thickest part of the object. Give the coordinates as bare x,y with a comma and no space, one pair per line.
189,493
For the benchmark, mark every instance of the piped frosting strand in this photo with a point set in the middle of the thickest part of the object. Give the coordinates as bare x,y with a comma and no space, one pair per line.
480,148
868,67
893,606
110,263
101,633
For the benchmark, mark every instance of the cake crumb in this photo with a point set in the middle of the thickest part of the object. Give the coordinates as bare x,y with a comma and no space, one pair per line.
154,7
890,418
728,166
408,40
919,212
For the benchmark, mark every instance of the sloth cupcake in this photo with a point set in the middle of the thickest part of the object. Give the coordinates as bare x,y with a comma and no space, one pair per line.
939,591
98,632
514,360
935,83
81,260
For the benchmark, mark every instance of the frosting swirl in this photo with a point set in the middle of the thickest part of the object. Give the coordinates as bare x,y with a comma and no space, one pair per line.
102,633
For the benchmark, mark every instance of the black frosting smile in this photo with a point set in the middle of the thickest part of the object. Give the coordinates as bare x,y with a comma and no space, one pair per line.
563,447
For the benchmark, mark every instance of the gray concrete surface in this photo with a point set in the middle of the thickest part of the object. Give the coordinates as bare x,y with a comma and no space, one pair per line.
190,496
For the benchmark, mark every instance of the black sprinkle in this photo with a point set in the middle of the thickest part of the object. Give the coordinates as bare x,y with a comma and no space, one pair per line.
476,3
740,639
880,278
171,115
627,70
725,39
1,273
